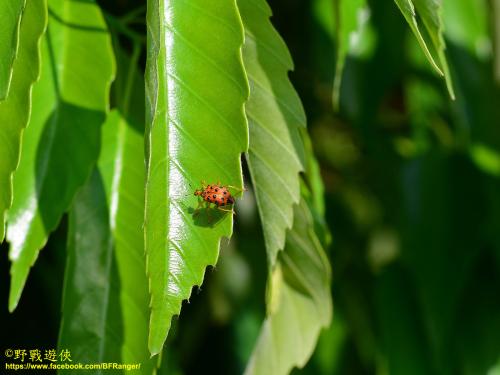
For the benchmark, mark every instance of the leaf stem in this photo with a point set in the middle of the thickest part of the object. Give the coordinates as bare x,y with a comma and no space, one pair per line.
121,28
136,53
133,15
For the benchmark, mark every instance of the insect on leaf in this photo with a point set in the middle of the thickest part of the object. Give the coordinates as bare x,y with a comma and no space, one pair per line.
195,130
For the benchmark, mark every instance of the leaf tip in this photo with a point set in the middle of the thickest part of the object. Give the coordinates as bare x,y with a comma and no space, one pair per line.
155,346
18,279
13,299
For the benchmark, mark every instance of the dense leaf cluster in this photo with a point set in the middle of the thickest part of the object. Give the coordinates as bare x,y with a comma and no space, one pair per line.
113,113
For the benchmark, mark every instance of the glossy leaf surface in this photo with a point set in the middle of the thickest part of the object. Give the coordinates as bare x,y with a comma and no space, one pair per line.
62,141
299,305
15,109
275,114
196,130
10,21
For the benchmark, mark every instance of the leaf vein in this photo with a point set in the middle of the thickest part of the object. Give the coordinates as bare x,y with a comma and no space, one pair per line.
207,105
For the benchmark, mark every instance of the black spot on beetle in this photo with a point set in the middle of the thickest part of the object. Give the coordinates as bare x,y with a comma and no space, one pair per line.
215,196
225,192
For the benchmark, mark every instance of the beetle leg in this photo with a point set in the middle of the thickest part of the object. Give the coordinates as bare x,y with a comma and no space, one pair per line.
209,218
197,210
236,188
239,190
222,209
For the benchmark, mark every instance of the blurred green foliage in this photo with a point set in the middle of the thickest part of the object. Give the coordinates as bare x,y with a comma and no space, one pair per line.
412,196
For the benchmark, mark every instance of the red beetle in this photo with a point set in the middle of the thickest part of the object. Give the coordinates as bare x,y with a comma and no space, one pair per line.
217,194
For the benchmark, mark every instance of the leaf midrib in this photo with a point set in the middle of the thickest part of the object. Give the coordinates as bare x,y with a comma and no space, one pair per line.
204,56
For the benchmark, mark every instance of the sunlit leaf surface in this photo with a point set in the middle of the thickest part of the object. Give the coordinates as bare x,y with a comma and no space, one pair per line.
196,130
62,141
275,114
15,109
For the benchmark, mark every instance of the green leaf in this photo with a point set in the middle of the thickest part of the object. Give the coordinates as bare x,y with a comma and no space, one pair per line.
408,10
430,12
351,18
275,114
314,194
15,110
466,24
196,130
10,22
485,158
106,299
478,95
62,141
300,301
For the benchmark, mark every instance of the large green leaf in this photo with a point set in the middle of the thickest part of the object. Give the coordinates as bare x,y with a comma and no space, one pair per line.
15,110
62,141
275,114
299,303
10,21
105,303
196,130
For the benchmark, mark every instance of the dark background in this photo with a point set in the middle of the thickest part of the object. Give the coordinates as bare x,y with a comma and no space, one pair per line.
415,220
